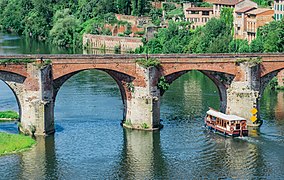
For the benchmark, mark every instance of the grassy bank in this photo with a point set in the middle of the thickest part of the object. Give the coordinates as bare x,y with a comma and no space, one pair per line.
8,115
12,143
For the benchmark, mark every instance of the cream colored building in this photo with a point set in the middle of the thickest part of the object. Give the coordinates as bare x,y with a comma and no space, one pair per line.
198,15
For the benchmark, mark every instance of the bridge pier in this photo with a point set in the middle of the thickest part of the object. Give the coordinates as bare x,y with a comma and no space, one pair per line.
244,92
143,107
36,101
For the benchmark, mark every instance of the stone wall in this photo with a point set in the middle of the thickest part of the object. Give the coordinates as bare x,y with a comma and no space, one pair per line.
120,29
111,42
134,20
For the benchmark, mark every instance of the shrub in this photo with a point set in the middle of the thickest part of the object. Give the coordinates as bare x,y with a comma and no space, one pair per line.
149,62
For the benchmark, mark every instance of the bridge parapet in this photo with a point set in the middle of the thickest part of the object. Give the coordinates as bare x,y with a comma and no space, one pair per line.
36,79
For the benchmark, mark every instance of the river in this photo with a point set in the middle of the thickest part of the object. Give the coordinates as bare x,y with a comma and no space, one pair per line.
89,142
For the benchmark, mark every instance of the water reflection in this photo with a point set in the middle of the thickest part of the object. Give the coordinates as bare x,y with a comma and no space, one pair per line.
142,156
40,162
13,44
233,157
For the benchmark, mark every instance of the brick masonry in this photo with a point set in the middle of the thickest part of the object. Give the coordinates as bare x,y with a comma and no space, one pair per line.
36,85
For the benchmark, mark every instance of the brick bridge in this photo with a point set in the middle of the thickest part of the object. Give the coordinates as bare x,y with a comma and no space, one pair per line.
36,80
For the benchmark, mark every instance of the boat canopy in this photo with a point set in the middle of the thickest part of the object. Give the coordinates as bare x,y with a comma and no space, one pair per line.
224,116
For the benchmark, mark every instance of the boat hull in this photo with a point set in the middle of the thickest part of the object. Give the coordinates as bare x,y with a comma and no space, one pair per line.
234,133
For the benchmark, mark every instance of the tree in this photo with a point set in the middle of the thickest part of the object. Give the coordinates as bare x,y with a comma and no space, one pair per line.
65,29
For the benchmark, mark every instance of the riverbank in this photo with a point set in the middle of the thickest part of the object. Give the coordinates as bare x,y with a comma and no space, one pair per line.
13,143
8,116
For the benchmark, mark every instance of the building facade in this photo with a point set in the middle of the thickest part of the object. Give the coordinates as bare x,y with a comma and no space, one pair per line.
198,15
278,9
219,4
255,19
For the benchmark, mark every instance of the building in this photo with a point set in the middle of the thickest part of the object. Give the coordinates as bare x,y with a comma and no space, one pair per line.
278,9
240,20
124,44
219,4
240,17
255,19
198,15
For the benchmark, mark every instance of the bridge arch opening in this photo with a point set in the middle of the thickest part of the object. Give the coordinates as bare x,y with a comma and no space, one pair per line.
272,97
89,95
9,102
189,96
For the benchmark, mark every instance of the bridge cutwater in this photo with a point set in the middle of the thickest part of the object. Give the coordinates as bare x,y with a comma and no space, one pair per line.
36,79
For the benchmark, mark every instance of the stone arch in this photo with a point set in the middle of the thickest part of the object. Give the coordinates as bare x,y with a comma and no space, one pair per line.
221,80
122,80
16,83
265,79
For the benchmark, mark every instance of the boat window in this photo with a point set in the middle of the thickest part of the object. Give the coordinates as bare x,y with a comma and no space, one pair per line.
237,126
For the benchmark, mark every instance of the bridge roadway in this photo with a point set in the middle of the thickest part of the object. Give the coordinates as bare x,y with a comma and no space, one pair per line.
240,78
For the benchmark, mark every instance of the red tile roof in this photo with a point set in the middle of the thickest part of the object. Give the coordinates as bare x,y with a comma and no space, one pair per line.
199,9
245,9
224,2
259,11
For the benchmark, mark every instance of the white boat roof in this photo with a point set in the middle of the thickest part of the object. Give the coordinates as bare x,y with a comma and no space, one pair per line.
224,116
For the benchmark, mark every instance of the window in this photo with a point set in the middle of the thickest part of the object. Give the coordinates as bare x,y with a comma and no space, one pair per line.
194,12
205,13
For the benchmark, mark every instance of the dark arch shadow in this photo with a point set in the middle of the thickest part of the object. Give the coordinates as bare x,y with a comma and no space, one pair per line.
14,82
121,80
221,81
265,80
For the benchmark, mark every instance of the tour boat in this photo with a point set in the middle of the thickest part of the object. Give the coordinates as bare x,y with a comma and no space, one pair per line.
225,124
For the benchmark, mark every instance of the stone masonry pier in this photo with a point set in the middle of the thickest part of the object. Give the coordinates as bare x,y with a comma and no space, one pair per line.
36,80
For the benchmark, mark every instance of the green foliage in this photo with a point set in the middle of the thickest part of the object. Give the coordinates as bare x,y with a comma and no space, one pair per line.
65,31
228,18
149,62
168,6
273,83
264,3
204,4
16,61
140,33
214,37
63,22
12,143
252,61
128,123
117,49
128,30
156,15
163,84
169,40
9,115
270,38
130,87
239,46
175,13
144,126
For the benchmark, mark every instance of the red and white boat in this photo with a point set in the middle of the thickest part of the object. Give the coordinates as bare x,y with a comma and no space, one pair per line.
225,124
